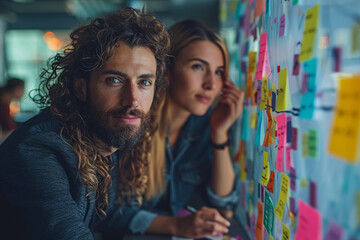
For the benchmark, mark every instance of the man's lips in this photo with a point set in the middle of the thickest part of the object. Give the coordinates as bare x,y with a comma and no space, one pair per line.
128,119
203,98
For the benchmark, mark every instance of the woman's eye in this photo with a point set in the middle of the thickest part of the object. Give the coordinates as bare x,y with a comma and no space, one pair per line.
219,72
197,67
145,82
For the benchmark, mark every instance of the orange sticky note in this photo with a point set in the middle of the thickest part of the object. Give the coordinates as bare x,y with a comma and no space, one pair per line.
267,138
259,222
270,185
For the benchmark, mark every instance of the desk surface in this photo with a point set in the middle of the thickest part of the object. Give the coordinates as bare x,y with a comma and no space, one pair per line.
235,229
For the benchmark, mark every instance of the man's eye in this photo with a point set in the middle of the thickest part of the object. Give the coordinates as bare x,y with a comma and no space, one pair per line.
113,80
145,82
197,67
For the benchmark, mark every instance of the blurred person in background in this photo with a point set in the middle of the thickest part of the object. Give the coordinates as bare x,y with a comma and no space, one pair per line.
13,90
98,97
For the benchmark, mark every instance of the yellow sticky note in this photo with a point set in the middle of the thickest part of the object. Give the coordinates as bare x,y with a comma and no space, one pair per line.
249,84
252,62
223,11
285,233
283,101
305,144
344,135
284,190
266,171
355,34
264,90
253,120
311,24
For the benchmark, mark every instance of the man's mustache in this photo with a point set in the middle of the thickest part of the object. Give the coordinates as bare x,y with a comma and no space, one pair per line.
127,111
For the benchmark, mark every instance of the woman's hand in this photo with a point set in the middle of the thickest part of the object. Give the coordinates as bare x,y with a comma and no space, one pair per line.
205,222
228,109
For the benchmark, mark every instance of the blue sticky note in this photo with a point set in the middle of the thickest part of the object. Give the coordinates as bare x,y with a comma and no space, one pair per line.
258,129
245,126
308,99
267,9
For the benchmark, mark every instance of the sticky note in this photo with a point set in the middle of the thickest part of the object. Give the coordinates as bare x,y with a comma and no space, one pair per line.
273,128
248,84
288,158
312,143
293,179
335,232
262,53
259,7
284,190
283,100
264,90
296,66
294,134
337,59
311,25
258,93
273,96
223,12
295,2
245,126
292,205
288,129
267,138
355,37
281,130
344,135
258,129
250,2
252,61
269,217
304,83
282,26
259,222
253,120
309,223
266,170
285,233
267,9
313,194
305,145
270,185
308,99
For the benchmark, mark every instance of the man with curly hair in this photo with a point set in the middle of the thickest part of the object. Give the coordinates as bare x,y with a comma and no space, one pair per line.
98,98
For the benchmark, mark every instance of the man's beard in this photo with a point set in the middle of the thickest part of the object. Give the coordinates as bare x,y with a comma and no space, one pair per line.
125,136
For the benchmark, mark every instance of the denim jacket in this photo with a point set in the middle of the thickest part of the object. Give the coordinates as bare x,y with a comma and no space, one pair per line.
188,170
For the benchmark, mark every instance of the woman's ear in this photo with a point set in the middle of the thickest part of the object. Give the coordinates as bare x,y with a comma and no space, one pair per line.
80,89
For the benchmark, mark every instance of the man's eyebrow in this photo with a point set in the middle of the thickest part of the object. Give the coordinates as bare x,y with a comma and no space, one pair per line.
119,73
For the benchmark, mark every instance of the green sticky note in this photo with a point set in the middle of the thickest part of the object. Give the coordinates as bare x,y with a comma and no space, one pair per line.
295,2
269,214
312,143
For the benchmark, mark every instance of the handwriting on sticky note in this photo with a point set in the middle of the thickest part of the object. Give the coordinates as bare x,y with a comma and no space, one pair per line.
284,190
308,98
305,144
312,143
281,130
267,138
264,90
266,171
282,102
294,134
344,135
285,233
270,185
269,214
309,223
311,24
288,158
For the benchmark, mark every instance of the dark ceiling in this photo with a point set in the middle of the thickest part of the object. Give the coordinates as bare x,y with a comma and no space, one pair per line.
66,14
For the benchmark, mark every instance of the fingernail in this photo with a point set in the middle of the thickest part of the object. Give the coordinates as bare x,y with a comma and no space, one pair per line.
220,234
227,223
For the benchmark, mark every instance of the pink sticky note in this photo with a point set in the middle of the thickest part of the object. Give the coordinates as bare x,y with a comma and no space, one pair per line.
310,223
282,25
250,2
335,232
262,52
288,158
275,20
281,130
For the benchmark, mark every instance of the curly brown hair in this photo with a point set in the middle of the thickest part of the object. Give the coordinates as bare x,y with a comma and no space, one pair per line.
91,46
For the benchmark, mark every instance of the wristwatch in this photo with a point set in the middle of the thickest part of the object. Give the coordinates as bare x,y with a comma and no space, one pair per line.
220,146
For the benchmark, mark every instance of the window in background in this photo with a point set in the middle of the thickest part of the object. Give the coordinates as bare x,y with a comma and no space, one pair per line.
26,53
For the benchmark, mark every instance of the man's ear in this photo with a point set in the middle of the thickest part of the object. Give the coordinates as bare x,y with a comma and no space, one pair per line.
80,89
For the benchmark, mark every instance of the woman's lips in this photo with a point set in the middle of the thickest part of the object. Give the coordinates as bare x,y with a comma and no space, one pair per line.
203,98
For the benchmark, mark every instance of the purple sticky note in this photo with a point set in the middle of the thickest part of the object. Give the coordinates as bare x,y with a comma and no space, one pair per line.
335,232
313,193
258,92
294,134
282,25
275,20
296,67
304,86
273,101
293,179
292,205
288,130
337,59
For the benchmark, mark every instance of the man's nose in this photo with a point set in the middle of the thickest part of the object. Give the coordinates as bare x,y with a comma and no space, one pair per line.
130,96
